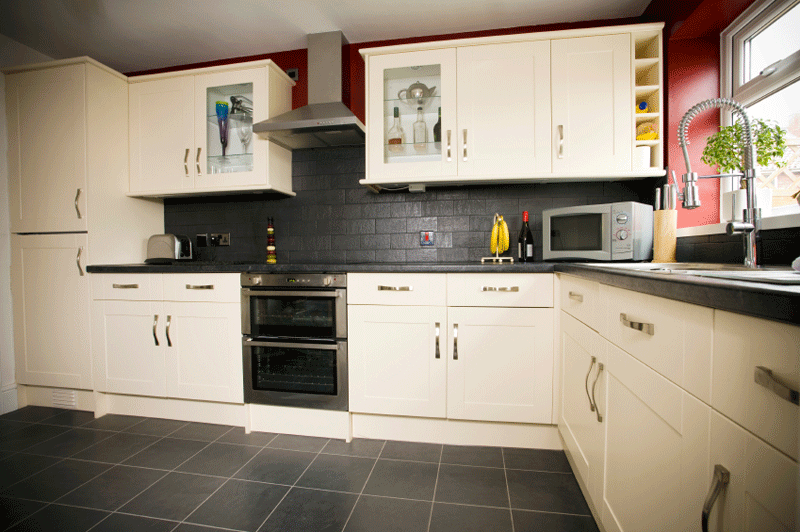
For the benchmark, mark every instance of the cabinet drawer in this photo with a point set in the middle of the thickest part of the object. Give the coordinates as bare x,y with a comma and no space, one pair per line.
396,289
219,287
127,286
499,290
742,344
581,299
672,337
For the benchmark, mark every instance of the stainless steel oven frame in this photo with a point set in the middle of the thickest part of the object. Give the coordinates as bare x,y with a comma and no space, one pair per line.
338,294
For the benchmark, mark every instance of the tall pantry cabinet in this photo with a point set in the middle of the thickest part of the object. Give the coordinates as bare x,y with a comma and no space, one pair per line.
68,176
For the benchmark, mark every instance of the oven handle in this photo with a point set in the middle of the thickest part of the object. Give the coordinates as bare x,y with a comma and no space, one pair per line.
325,347
293,293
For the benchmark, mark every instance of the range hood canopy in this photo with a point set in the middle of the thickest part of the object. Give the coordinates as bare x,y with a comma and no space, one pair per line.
325,121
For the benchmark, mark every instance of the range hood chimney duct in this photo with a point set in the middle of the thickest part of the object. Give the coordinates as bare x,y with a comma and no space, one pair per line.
326,121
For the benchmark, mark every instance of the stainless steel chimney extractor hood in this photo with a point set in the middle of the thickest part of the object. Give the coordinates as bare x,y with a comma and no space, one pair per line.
325,121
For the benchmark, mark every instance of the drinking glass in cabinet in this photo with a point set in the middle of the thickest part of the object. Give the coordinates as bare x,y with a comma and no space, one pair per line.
228,152
411,103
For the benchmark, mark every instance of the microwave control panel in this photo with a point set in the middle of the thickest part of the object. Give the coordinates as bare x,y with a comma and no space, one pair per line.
621,231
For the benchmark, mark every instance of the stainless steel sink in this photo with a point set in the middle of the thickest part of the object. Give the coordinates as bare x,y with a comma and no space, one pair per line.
735,272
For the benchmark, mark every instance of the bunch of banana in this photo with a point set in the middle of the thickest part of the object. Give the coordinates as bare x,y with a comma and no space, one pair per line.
499,241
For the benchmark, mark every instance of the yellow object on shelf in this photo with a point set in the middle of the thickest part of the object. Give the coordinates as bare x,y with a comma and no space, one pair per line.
646,131
642,107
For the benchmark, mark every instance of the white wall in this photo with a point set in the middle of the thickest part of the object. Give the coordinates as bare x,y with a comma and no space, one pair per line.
11,53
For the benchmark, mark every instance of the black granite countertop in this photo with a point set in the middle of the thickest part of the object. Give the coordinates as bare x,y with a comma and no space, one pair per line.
774,302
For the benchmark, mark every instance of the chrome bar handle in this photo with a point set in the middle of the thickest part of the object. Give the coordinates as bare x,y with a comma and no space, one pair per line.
124,286
763,376
155,324
199,286
436,327
186,161
721,478
169,322
465,145
586,384
78,262
385,288
500,289
449,154
197,161
594,385
560,141
77,207
647,328
455,341
576,297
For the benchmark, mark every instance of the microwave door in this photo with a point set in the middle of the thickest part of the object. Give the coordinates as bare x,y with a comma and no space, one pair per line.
582,235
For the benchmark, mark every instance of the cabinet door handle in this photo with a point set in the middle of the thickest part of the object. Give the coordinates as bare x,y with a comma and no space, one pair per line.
78,262
500,289
576,297
449,153
124,286
169,322
465,145
197,161
436,326
594,385
395,288
586,384
764,377
560,141
155,324
77,207
186,161
721,478
647,328
455,341
199,286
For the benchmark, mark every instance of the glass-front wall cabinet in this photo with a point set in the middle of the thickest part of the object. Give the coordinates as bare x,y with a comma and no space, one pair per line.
229,128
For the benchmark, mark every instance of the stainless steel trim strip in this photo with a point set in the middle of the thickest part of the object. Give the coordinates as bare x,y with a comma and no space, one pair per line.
764,377
647,328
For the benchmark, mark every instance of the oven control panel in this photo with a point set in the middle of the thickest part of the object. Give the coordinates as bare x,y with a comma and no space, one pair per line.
295,280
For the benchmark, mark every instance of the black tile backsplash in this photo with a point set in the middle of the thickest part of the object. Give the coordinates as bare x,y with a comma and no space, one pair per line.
335,219
777,247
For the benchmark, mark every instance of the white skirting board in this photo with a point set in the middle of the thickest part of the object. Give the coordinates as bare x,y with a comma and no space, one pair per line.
456,432
9,399
180,409
301,421
55,397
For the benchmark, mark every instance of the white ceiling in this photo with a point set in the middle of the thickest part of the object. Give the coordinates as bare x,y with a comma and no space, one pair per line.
135,35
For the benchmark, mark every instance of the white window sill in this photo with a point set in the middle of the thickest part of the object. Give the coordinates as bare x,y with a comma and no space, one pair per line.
773,222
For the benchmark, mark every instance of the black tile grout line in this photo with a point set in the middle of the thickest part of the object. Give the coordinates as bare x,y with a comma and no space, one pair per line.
353,509
508,489
435,487
290,488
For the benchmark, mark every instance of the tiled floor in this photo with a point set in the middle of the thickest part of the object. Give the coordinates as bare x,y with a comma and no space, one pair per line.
64,470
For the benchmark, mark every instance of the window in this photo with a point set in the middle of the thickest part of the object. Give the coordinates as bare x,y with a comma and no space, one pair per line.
761,70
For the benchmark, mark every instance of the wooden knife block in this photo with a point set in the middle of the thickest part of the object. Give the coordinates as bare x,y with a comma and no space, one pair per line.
665,227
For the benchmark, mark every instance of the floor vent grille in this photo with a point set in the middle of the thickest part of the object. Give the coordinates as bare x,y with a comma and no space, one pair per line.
64,398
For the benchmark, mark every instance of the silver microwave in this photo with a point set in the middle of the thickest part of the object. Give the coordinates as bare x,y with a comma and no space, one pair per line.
602,232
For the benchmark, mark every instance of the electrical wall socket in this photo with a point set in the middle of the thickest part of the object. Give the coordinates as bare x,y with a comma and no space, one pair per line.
219,239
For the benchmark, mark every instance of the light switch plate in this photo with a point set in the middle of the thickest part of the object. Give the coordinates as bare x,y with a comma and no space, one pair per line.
426,238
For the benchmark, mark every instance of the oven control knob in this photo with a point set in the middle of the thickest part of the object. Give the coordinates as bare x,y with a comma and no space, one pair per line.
256,280
327,281
622,218
622,234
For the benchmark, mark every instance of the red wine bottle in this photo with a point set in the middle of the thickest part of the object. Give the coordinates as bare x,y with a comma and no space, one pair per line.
525,241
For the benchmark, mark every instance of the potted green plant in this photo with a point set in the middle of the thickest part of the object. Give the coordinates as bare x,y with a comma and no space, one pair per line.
724,150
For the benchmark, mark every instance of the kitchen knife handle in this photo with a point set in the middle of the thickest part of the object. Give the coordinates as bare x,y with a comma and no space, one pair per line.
647,328
197,161
77,207
169,322
586,384
560,141
465,145
594,385
438,353
155,324
449,153
186,162
455,341
78,262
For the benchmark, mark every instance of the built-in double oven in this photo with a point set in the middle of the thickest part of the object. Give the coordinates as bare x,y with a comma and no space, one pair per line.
294,344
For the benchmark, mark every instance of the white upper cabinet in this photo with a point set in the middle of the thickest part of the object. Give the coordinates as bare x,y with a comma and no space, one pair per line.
192,133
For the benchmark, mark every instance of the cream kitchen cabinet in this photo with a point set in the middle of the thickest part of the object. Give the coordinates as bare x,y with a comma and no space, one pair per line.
175,141
173,335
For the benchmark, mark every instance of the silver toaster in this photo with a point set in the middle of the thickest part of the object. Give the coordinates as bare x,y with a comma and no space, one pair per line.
165,249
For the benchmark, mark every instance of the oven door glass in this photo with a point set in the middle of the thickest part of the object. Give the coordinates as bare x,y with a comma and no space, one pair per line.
297,368
294,315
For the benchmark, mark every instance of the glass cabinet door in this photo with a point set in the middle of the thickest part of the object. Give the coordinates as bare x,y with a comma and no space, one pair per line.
407,135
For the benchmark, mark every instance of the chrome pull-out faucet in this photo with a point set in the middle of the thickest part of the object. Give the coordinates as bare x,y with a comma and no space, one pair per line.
691,196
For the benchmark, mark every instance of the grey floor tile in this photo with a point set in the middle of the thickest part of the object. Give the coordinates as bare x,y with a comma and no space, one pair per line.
298,443
55,481
338,473
389,515
547,492
525,521
113,422
166,453
237,435
420,452
133,523
220,459
21,439
357,447
278,466
117,448
173,497
407,480
71,418
61,518
239,504
7,426
188,527
472,485
156,427
21,466
449,517
536,460
113,488
472,455
304,510
200,431
32,414
14,510
69,443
